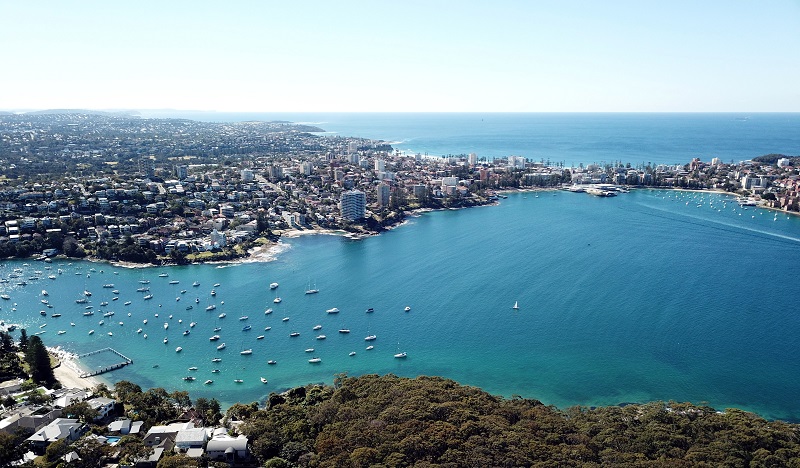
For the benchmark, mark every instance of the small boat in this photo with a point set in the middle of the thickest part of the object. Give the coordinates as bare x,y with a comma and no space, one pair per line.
108,314
104,303
42,313
273,285
144,321
196,284
321,337
144,281
91,332
216,285
7,297
344,330
268,311
243,317
109,286
174,282
260,337
189,378
285,319
238,380
56,315
294,334
186,332
44,301
101,322
191,325
216,329
208,382
142,289
77,301
166,325
196,300
144,336
44,292
163,275
139,331
127,303
215,371
222,315
189,307
277,300
315,360
263,380
370,347
222,346
246,328
332,310
352,353
310,350
214,338
213,293
407,308
516,305
317,327
267,328
216,359
400,355
312,291
246,352
370,338
166,340
61,332
71,324
116,291
178,349
211,307
271,362
110,334
148,297
115,298
193,368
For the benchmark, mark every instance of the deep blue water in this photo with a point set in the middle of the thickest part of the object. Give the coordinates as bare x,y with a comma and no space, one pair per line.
569,138
652,295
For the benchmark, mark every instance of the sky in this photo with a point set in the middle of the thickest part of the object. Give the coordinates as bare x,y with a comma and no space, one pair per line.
402,56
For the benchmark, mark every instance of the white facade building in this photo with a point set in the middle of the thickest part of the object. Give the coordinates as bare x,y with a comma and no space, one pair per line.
353,204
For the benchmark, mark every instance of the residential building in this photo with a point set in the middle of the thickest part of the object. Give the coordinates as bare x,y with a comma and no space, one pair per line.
353,205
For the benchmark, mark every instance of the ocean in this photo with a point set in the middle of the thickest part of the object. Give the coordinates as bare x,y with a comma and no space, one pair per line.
569,138
650,295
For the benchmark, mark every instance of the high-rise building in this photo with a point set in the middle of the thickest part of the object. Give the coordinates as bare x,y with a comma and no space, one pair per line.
380,165
473,159
181,171
382,191
353,205
247,175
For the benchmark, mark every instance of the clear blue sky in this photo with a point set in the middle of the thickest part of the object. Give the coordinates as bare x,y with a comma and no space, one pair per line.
505,56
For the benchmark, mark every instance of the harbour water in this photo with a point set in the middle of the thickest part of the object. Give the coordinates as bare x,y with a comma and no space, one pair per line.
651,295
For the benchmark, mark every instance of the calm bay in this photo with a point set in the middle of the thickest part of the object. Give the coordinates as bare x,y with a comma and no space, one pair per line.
651,295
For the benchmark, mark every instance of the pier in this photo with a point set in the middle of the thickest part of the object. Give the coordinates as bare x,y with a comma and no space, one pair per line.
125,361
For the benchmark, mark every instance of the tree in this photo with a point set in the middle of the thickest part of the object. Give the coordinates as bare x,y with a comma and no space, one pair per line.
125,390
23,340
12,448
80,410
132,449
38,361
210,410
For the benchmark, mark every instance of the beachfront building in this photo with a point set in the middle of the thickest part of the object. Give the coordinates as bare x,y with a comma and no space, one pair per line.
353,204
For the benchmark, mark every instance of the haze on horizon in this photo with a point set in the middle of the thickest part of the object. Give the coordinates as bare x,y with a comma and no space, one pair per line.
414,56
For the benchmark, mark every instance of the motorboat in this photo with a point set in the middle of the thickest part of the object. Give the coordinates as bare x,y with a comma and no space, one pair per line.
246,328
370,347
211,307
317,327
178,349
315,360
246,352
401,355
407,308
244,317
222,315
321,337
166,340
263,380
214,338
285,319
193,368
216,329
271,362
332,310
352,353
268,311
273,285
186,332
277,300
238,380
294,334
208,382
222,346
344,330
310,350
370,338
260,337
216,359
189,378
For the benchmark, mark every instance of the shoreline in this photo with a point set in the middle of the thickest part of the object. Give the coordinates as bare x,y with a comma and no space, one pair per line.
68,371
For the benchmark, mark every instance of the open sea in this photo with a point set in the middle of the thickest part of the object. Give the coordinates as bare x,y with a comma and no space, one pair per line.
650,295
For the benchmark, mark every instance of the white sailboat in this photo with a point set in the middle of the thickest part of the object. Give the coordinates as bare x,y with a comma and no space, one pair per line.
516,305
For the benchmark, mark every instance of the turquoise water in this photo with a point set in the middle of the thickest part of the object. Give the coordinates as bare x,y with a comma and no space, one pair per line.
651,295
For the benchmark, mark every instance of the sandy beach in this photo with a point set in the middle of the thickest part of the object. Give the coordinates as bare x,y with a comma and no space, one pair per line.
68,372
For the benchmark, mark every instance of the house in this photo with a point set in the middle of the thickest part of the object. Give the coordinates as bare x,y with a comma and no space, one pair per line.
125,426
190,438
227,448
103,405
60,428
